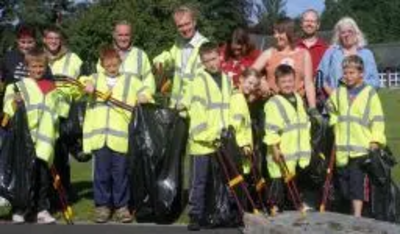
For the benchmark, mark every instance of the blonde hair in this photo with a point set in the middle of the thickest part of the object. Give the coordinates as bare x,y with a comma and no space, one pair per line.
348,21
186,9
36,55
353,61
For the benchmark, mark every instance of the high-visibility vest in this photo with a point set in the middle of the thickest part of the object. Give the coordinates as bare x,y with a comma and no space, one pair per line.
289,128
43,112
106,124
184,71
136,63
241,122
68,65
356,123
209,112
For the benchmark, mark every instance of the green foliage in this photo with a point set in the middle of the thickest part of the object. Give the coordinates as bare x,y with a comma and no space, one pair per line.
274,9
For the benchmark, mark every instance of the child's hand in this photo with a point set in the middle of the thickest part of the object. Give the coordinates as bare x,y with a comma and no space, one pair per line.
373,146
89,88
142,99
247,150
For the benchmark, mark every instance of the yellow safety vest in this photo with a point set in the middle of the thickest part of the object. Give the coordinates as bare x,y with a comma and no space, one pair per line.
241,122
136,63
209,112
184,71
68,65
290,129
43,112
106,124
356,123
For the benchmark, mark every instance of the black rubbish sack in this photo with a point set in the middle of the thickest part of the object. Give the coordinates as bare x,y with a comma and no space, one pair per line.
378,165
71,131
17,160
157,144
385,202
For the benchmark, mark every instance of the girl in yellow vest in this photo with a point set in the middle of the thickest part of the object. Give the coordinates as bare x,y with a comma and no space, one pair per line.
105,134
356,113
287,132
44,105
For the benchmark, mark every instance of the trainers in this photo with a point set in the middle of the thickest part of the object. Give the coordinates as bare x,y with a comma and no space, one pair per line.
102,214
18,218
123,215
44,217
194,224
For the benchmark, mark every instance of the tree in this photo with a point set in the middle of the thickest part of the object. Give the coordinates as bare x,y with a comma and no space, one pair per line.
273,10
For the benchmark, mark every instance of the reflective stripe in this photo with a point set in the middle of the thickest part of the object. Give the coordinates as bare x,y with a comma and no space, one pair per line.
127,84
199,99
281,109
297,126
105,131
44,138
24,91
204,78
272,127
199,128
378,118
176,97
346,118
368,105
66,63
238,117
140,63
218,105
181,73
297,155
141,90
352,148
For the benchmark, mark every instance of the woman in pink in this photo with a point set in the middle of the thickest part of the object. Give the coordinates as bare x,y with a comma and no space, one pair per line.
239,53
285,52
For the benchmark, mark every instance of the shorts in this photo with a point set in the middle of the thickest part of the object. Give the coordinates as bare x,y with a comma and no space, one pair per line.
353,181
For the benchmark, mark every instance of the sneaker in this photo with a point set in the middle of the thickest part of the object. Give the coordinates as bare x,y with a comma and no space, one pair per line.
44,217
194,224
102,214
123,215
18,218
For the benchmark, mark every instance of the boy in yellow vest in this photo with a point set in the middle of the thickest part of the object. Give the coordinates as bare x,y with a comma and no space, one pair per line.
44,105
105,134
287,132
356,113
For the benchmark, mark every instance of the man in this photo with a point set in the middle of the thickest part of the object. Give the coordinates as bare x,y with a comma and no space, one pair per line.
183,57
310,23
61,60
134,60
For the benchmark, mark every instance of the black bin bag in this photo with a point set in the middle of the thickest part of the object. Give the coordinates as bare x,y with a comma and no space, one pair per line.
157,144
71,131
17,159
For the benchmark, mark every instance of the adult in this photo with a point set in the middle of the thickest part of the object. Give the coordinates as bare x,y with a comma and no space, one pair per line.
183,56
134,60
347,40
13,67
285,52
62,61
238,54
310,41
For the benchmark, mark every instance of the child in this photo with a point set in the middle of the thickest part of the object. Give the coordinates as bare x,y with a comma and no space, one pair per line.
287,131
209,114
356,113
240,115
105,134
44,104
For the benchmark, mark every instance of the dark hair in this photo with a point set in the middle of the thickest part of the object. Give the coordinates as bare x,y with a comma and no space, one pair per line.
287,25
107,52
251,72
241,37
25,31
207,48
284,70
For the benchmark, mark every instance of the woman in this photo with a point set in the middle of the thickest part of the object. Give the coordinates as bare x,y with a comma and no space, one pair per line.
238,54
285,52
347,40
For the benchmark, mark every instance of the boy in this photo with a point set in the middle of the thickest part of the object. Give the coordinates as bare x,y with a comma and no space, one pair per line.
287,131
105,133
44,105
209,114
356,113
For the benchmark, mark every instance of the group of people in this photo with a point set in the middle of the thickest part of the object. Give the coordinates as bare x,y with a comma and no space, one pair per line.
215,87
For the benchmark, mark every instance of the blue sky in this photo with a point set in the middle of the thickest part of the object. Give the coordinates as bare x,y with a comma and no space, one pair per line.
295,7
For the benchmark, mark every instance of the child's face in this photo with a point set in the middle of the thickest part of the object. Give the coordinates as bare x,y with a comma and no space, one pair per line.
352,76
286,84
26,44
211,61
249,84
111,66
36,69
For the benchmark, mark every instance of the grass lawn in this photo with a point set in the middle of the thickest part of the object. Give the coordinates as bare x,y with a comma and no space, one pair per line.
81,172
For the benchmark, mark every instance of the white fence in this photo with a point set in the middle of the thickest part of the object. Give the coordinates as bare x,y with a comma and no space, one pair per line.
390,79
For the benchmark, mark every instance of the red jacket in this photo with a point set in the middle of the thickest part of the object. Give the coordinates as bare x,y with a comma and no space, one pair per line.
316,51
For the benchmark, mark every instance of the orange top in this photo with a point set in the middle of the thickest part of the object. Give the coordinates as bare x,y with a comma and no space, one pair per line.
295,58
